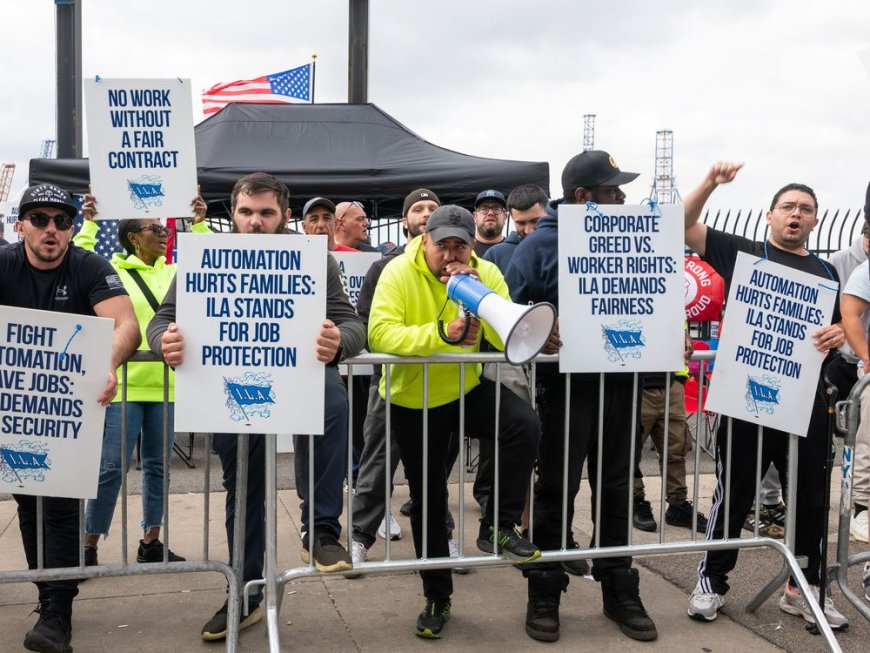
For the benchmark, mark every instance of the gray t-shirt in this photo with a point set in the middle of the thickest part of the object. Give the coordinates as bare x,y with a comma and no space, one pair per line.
858,285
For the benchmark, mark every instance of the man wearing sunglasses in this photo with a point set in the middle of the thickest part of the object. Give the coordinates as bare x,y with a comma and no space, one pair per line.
42,271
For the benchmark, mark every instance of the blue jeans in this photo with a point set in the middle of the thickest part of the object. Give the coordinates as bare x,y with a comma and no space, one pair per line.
147,416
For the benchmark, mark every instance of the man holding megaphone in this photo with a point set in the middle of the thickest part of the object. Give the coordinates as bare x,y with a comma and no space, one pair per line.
409,309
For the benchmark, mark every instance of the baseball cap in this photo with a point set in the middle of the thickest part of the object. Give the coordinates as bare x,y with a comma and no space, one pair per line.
594,168
451,221
416,196
490,194
46,195
317,201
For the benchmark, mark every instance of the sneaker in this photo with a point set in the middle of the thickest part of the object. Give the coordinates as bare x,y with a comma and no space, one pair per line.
91,556
643,517
704,606
511,544
793,602
681,515
858,526
52,632
406,508
622,604
542,609
358,553
216,628
453,545
575,567
153,552
395,529
329,554
773,514
766,528
431,621
865,579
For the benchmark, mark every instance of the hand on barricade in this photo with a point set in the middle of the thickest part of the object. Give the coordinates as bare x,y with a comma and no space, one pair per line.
328,341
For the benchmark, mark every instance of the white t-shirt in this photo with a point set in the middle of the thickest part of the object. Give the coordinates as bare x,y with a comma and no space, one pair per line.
858,285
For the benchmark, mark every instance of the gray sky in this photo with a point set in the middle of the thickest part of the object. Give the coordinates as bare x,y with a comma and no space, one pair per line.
777,84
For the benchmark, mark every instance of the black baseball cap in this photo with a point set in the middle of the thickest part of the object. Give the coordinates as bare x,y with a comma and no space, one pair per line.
490,194
317,201
46,195
594,168
449,221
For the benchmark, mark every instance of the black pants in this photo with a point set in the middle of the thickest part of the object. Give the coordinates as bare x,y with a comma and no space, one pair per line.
517,441
809,527
60,524
583,445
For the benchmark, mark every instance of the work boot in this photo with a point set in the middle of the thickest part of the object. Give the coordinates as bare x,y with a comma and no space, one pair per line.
542,610
622,604
52,632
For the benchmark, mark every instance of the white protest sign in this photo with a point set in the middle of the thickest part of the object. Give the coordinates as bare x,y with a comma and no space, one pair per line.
250,307
353,267
142,155
54,366
767,367
621,306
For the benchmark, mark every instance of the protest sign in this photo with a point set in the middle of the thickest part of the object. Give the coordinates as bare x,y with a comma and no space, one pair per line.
353,267
250,307
142,156
621,287
53,366
767,367
704,291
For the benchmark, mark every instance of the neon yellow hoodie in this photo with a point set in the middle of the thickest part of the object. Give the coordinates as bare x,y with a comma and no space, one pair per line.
403,321
144,380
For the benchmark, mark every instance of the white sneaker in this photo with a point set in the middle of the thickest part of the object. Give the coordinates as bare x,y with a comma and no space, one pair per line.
704,606
794,602
358,552
395,529
453,545
858,527
866,580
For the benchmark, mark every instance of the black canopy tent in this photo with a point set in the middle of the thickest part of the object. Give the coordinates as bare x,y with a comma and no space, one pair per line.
340,151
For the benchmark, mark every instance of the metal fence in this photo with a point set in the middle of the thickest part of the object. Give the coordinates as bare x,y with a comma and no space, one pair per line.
275,578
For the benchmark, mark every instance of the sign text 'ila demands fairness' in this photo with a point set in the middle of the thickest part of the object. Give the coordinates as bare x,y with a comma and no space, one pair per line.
621,288
250,308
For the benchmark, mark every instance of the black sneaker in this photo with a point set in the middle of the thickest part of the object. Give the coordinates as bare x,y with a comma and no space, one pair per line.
329,554
51,634
153,552
643,517
542,609
681,515
622,604
511,544
575,567
91,556
773,514
431,621
216,628
406,508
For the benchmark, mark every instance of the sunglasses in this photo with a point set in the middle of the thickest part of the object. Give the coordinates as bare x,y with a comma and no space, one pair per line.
344,213
156,229
41,220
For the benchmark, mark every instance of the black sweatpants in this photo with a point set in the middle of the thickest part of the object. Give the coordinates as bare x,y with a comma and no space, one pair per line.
60,522
517,441
809,527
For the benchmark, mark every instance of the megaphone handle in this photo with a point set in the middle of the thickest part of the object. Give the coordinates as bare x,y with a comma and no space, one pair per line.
462,335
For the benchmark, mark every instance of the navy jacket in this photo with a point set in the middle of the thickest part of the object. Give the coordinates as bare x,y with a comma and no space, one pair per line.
533,274
501,254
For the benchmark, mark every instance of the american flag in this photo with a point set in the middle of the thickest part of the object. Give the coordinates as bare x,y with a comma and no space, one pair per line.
281,87
107,236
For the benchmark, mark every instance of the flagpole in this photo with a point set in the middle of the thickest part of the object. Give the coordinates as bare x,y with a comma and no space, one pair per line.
313,74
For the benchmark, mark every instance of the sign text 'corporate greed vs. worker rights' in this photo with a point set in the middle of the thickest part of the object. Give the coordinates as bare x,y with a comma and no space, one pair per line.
250,307
767,366
142,154
621,288
53,366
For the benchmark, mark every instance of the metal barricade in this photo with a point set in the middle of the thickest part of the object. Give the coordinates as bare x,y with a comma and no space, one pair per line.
848,415
125,568
275,579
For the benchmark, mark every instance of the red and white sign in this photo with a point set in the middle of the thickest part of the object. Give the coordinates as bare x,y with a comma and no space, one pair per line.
704,291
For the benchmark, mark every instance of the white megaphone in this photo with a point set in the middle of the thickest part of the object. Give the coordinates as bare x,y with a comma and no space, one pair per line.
524,330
